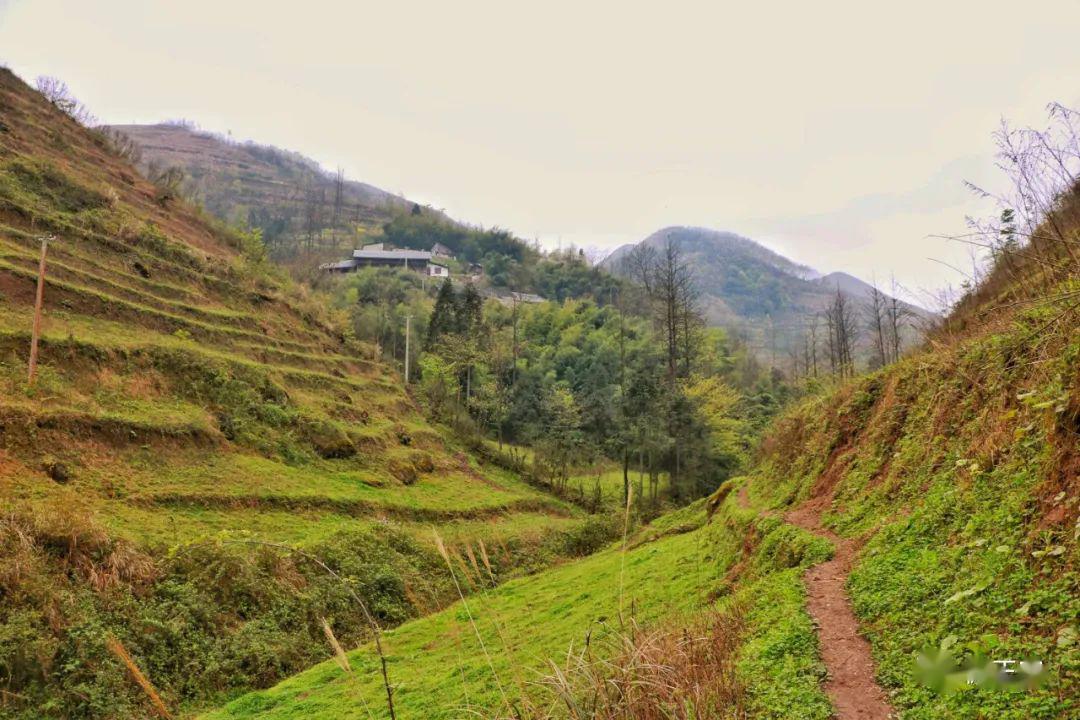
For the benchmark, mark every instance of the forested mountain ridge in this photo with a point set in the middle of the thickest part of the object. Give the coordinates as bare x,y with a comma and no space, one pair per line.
307,215
758,293
731,245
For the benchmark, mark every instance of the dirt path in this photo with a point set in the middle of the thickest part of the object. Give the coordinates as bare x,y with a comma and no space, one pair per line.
851,685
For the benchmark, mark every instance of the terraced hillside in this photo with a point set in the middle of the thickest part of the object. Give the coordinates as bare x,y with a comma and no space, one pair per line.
289,197
190,403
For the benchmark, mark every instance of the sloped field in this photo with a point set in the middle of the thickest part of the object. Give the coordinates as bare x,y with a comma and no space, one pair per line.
189,402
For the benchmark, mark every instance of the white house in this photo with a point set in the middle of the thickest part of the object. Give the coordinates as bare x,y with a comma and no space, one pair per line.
437,270
417,260
440,250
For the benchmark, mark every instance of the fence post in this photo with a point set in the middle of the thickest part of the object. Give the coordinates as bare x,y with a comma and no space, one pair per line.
38,301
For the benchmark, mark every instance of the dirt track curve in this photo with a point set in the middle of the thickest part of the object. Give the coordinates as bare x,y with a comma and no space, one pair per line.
851,686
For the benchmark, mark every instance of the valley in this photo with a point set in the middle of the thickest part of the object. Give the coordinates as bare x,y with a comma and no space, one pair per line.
462,474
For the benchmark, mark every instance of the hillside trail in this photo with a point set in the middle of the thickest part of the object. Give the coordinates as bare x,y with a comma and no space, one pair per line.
851,686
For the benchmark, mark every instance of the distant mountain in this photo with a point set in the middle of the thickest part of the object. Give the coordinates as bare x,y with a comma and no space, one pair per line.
760,294
290,197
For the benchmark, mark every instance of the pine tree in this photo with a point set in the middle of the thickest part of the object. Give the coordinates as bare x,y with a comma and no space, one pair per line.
471,310
444,318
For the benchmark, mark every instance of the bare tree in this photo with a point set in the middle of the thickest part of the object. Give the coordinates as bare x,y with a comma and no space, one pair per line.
666,291
810,347
639,264
339,190
169,181
669,283
57,92
897,317
1034,226
122,145
877,323
313,211
842,326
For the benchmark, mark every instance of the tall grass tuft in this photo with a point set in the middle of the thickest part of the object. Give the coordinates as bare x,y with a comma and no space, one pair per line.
472,621
622,551
342,661
339,653
671,672
486,560
376,631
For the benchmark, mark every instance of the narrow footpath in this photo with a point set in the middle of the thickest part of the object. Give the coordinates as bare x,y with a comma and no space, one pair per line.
851,686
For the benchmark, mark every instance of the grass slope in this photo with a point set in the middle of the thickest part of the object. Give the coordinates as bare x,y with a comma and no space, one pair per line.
958,467
188,397
675,568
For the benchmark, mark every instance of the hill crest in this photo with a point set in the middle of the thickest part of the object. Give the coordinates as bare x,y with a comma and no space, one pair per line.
753,291
291,198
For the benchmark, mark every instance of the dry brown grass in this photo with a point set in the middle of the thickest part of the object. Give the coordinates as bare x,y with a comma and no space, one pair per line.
340,657
67,534
117,649
675,671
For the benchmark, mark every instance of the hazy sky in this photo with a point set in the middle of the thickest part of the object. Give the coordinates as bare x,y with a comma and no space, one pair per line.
837,132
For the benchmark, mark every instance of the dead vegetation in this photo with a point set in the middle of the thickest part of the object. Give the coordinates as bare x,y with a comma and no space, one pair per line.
1033,244
673,671
63,533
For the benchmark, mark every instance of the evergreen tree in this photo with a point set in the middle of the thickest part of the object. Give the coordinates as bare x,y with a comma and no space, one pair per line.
470,311
444,318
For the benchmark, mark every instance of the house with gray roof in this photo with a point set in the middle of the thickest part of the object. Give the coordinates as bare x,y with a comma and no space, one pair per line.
368,256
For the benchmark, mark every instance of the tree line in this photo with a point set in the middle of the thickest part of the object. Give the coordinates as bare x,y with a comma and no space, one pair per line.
627,375
851,335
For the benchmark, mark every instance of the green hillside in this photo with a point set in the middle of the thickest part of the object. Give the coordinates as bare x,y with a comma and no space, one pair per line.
441,670
937,500
191,403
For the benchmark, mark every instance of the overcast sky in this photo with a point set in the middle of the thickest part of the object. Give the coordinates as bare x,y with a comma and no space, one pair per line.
836,132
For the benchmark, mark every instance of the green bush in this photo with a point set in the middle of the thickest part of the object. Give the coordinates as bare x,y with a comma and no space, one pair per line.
202,622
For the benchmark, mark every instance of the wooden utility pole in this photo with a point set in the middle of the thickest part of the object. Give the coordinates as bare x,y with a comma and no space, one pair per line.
38,301
408,324
514,370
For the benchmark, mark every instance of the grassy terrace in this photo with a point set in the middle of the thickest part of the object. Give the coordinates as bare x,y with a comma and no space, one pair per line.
156,526
250,477
139,311
608,476
121,285
65,328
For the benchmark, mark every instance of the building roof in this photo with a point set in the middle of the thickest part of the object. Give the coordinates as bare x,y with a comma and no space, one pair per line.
440,248
343,265
508,297
392,255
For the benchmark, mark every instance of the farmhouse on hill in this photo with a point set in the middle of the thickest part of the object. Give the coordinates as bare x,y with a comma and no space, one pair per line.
376,255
